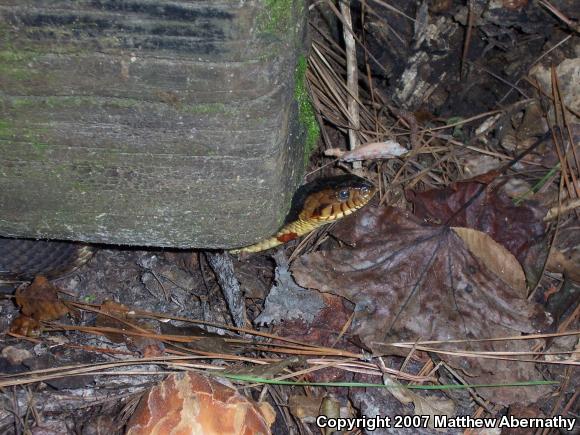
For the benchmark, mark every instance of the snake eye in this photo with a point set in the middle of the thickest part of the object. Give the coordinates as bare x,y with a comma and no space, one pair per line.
343,194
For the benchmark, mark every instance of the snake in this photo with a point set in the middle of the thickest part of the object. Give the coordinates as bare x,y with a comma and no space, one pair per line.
23,259
316,204
313,205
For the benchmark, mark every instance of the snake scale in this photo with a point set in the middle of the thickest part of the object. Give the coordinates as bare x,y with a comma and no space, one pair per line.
314,204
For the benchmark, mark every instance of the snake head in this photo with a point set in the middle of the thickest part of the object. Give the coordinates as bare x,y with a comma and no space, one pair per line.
336,197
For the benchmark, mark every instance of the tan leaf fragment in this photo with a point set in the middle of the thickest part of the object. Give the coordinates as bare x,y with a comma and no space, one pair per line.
26,326
388,149
558,262
429,405
495,257
306,408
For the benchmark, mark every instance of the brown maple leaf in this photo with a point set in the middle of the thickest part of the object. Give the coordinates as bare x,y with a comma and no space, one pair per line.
410,281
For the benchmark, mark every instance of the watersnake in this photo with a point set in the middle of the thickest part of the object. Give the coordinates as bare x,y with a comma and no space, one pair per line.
313,205
23,259
318,203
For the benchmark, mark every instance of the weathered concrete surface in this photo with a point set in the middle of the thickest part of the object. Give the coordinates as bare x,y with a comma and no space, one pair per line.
148,122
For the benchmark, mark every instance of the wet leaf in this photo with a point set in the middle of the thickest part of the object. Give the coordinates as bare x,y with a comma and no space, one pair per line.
518,228
495,257
411,281
40,300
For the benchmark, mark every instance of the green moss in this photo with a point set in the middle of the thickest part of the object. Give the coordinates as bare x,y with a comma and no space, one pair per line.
276,17
9,133
5,129
208,108
14,64
305,109
17,56
64,102
39,146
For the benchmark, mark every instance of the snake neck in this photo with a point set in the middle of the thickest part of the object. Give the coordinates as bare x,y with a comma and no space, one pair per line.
288,232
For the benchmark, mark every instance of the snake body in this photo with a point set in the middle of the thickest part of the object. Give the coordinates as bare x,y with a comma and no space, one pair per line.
23,259
314,204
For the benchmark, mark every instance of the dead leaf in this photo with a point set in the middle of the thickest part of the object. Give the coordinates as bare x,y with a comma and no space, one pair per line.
562,301
287,301
495,257
305,408
188,261
520,229
26,326
556,211
15,355
428,405
479,164
558,262
40,300
568,72
374,150
412,281
113,315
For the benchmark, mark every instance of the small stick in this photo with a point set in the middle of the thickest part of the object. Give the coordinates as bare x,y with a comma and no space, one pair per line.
222,265
467,41
351,79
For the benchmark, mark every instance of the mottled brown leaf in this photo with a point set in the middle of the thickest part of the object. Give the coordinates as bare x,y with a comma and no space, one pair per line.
40,300
559,262
518,228
495,257
305,408
27,326
411,281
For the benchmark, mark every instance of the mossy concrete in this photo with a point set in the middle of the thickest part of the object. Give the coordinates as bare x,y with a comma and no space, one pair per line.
144,124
